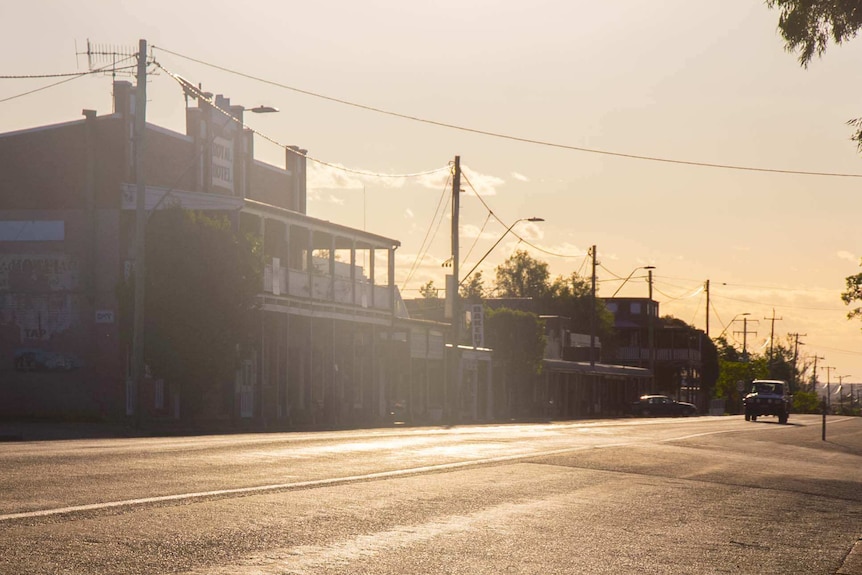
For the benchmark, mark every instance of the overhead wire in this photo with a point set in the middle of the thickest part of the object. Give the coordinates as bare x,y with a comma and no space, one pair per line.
476,239
188,87
780,306
514,233
67,78
426,243
500,135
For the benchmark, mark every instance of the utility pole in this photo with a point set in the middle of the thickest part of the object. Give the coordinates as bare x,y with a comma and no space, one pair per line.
453,288
796,344
140,127
456,212
706,289
828,369
651,326
773,319
593,312
745,338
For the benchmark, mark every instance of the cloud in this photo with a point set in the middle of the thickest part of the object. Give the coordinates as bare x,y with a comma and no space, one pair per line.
337,176
520,177
328,177
336,200
844,255
409,213
483,184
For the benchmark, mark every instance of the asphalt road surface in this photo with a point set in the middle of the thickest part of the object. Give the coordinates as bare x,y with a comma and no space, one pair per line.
663,496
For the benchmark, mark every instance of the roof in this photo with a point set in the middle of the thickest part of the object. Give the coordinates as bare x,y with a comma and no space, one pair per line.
562,366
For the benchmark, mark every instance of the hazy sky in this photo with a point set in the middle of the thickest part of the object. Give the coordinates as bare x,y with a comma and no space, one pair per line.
679,80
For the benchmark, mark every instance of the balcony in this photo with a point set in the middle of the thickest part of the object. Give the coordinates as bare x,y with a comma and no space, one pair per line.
679,355
280,281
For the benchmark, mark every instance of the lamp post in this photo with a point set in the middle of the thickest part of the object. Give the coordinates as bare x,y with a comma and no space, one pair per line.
509,229
731,323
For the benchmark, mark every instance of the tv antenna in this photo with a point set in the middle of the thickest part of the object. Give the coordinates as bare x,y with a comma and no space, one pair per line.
109,58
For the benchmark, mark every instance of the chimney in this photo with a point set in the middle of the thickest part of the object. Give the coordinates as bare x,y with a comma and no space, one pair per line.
123,98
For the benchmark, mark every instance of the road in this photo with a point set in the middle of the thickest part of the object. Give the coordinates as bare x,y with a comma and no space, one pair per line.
663,496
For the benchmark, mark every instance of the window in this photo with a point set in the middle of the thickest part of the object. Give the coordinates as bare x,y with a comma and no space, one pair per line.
635,308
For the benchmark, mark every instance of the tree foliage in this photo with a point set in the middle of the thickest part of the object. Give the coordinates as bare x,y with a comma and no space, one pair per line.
428,291
522,276
808,26
201,285
853,293
781,363
572,296
474,290
568,296
518,341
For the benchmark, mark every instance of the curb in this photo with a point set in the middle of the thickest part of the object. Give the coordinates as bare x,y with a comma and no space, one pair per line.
852,564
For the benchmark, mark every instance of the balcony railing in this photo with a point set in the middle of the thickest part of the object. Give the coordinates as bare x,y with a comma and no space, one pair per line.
340,290
661,354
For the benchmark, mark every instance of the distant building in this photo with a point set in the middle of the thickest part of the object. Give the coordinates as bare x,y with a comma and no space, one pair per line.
675,353
570,385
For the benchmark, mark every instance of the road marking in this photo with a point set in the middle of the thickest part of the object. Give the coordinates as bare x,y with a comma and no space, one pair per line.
334,480
298,484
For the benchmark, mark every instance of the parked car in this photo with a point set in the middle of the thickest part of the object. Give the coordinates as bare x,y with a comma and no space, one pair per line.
662,405
767,397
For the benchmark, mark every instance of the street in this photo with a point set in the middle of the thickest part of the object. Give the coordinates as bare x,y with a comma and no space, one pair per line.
663,496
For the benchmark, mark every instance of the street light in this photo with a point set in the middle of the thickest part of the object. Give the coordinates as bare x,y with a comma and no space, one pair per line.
262,109
509,229
630,277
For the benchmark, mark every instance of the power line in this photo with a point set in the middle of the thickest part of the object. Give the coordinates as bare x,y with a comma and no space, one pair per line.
496,217
195,92
782,306
476,239
423,248
67,78
510,137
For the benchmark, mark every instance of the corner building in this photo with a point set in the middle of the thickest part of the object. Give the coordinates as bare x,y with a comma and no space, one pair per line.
334,345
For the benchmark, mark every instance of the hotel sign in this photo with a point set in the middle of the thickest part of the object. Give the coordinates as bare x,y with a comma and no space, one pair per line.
222,163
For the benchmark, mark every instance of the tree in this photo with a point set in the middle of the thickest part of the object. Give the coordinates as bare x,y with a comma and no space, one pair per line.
808,26
428,291
518,341
202,283
572,296
522,276
567,296
474,290
852,294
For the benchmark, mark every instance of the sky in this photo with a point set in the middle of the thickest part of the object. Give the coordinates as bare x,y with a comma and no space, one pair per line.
530,95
